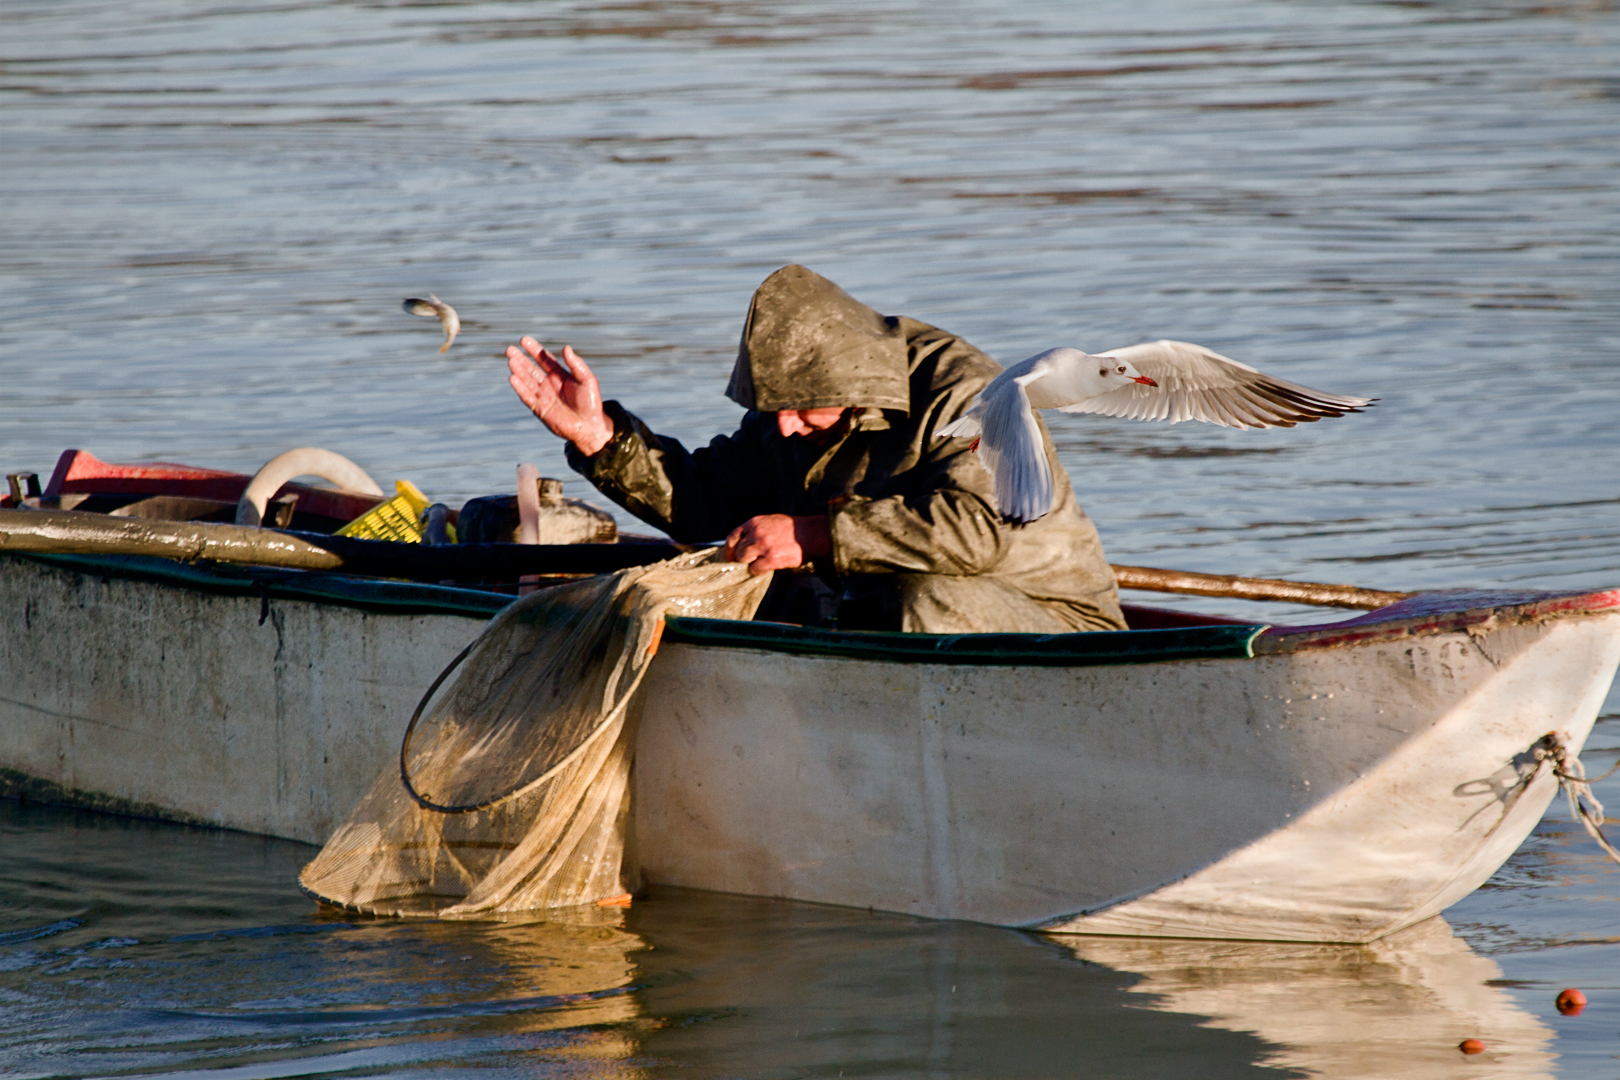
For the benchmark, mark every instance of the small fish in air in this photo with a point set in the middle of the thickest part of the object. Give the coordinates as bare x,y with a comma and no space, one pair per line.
1158,380
434,307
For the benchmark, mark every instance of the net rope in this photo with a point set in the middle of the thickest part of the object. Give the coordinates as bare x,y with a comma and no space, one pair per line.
512,790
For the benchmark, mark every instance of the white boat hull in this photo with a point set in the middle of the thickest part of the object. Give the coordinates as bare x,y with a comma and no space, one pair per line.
1327,795
1342,784
140,697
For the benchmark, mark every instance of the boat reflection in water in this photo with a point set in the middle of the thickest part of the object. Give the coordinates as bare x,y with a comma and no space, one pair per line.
742,986
137,947
1395,1007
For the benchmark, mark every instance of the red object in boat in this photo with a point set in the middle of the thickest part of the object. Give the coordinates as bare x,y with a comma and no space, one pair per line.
82,471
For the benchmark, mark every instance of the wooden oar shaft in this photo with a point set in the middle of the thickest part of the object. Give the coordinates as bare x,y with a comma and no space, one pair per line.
1243,588
70,532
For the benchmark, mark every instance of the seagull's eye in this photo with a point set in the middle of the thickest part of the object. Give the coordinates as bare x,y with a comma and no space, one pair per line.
1120,370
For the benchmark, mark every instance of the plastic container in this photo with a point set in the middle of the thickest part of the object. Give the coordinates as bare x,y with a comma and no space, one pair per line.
400,518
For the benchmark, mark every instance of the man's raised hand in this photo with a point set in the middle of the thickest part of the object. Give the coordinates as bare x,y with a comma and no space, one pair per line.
562,393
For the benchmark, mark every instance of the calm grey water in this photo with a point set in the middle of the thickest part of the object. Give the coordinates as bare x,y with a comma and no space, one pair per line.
212,211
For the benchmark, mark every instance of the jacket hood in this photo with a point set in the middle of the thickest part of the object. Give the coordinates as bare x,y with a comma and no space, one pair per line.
807,344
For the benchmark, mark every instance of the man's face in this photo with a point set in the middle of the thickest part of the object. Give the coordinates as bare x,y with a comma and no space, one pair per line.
814,424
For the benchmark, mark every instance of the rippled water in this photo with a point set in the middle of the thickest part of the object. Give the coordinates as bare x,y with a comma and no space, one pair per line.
139,948
213,210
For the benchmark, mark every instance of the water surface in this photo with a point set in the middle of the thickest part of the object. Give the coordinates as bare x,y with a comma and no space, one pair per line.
140,948
213,211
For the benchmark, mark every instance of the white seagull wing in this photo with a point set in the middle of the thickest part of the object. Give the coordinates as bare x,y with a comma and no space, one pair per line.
1011,447
1196,383
965,426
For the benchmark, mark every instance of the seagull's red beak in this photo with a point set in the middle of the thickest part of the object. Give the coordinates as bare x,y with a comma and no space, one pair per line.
1144,380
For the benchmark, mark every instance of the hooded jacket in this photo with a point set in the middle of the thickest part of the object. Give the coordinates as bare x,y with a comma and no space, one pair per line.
899,498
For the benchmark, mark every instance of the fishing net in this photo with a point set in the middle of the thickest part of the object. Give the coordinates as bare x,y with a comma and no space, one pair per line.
512,790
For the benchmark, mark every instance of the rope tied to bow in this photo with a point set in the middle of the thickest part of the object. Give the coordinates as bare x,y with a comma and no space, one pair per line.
1577,787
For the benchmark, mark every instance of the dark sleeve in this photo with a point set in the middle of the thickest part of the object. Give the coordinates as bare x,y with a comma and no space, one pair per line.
694,496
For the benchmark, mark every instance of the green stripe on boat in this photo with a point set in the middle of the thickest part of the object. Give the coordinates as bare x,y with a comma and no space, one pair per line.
381,597
1028,650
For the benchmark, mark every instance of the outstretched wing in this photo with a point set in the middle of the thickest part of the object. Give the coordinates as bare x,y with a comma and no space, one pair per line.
1198,384
1012,450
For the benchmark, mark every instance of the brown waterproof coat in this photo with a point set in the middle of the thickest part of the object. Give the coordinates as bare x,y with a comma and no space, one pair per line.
901,500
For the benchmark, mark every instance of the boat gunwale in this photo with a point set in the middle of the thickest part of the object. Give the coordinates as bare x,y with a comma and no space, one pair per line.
377,596
1440,612
1472,611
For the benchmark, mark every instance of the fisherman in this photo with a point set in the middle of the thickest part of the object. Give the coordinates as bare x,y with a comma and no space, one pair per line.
837,463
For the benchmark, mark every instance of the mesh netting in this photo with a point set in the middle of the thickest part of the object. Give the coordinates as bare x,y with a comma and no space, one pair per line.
512,789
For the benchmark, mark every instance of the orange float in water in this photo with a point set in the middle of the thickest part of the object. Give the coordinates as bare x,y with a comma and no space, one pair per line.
1570,1002
1471,1046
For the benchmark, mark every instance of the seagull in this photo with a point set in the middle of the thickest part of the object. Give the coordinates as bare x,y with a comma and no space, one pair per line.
1157,380
434,306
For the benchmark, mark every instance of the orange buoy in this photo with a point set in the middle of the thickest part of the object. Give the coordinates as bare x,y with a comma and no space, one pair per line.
622,900
1570,1002
1471,1046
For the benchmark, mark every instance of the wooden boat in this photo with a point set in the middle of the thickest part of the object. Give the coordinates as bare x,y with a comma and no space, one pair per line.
1194,777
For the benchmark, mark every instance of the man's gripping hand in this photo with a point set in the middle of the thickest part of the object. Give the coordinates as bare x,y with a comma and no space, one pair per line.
779,542
562,393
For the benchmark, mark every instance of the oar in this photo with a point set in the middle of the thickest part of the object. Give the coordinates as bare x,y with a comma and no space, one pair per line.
1248,588
70,532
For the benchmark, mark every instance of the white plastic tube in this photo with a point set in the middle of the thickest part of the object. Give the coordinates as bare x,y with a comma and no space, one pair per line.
305,461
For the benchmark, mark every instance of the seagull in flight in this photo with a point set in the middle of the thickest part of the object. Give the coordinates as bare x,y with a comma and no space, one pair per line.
433,307
1157,380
